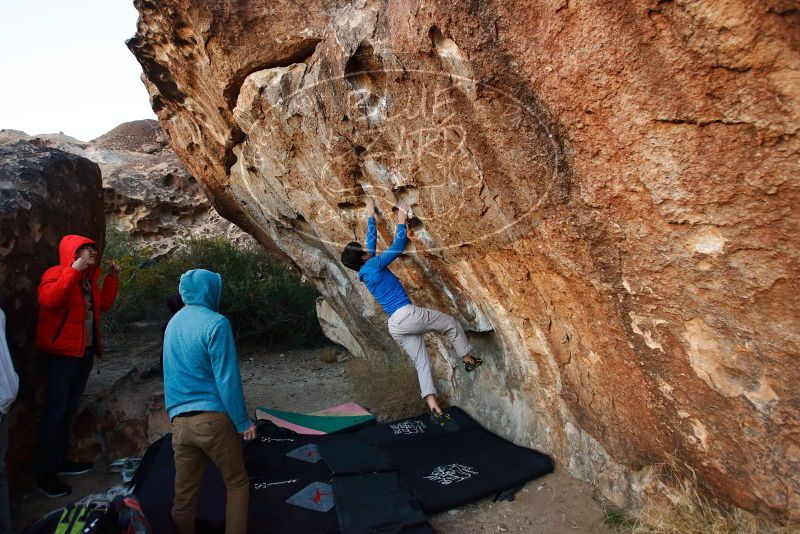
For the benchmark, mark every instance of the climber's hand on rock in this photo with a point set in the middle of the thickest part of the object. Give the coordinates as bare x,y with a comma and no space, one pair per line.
402,213
369,210
250,433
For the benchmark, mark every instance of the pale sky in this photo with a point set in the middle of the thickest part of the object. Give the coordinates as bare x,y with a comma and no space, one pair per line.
64,67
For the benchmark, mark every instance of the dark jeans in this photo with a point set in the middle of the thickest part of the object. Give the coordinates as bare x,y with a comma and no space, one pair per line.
5,506
66,380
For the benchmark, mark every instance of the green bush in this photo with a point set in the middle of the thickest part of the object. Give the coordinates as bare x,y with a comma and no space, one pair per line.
265,301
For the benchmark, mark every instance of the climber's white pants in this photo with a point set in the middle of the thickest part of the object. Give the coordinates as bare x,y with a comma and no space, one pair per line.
409,324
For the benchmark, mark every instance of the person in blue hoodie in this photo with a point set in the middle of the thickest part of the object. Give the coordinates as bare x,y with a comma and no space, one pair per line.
407,323
205,402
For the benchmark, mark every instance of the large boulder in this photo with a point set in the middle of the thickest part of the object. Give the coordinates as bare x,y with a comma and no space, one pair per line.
123,420
45,193
148,192
604,195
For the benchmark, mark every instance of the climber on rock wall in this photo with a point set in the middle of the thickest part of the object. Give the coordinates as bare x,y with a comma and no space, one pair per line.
407,323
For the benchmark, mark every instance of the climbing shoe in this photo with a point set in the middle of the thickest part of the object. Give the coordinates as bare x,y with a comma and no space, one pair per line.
444,421
74,468
471,366
53,486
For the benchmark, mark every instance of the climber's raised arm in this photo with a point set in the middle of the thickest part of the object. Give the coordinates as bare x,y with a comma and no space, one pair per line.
372,232
400,239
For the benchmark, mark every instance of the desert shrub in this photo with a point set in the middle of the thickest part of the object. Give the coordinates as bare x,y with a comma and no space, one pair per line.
330,355
264,299
131,304
388,387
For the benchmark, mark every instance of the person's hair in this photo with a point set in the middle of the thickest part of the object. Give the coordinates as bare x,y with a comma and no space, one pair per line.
353,256
174,303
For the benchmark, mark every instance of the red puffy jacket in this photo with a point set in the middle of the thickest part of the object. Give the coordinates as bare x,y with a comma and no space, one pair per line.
62,309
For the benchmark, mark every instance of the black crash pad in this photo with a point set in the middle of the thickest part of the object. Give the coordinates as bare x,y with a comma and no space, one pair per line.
332,483
445,470
274,479
374,502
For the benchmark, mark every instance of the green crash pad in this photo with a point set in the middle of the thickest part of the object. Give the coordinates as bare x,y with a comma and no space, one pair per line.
322,424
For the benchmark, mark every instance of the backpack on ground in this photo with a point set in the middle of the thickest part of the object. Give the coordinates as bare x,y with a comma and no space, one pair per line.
125,516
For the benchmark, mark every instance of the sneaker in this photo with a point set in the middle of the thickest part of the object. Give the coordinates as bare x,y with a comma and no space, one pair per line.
74,468
470,366
444,421
53,486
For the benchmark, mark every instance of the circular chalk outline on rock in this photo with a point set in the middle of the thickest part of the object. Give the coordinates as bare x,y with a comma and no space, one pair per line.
558,155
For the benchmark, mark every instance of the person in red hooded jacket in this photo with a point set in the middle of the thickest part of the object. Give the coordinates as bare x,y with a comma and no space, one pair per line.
68,333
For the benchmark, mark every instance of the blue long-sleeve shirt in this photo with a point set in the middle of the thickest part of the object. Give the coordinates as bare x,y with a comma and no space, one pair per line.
375,273
201,371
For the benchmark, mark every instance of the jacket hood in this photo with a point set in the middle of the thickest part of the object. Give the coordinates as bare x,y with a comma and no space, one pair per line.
69,245
199,287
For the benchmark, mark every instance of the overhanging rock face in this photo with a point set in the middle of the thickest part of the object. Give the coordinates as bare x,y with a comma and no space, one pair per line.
603,195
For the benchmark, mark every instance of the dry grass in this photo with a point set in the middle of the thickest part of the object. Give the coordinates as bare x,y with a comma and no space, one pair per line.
684,510
388,388
329,355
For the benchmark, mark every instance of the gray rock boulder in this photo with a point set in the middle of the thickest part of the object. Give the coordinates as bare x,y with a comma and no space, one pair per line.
45,193
147,191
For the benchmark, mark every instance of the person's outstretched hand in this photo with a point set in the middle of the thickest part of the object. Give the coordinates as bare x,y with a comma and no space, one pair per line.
250,433
402,213
369,210
113,269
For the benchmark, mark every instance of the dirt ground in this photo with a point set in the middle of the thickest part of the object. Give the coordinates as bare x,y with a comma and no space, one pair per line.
302,381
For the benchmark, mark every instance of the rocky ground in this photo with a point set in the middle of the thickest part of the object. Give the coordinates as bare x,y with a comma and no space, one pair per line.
302,381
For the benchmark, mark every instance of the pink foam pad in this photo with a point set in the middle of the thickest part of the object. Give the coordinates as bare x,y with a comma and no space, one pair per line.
348,408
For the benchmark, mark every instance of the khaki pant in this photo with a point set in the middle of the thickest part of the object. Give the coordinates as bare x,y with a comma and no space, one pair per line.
409,324
195,439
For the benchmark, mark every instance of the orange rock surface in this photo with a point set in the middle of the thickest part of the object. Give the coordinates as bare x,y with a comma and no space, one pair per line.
604,193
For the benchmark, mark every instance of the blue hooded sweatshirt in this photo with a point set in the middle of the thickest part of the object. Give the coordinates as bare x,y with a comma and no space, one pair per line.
201,371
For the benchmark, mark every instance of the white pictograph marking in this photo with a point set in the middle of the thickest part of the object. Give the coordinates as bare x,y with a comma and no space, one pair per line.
265,485
448,474
269,440
408,427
